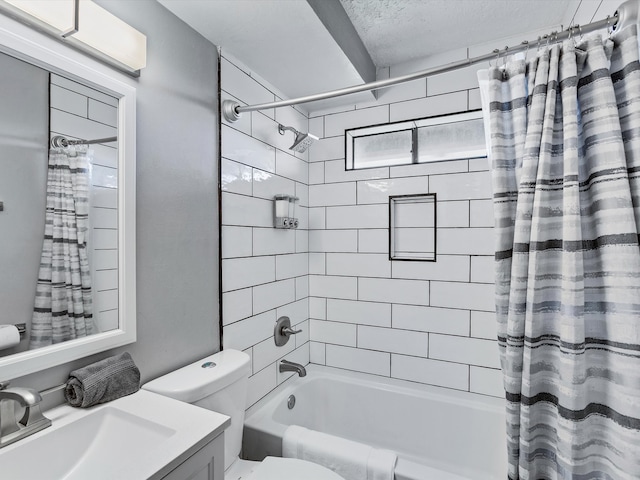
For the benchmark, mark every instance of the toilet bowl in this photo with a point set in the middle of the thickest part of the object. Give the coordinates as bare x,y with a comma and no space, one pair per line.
219,383
274,468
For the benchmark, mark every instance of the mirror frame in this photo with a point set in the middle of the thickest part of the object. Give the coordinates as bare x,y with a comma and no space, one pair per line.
27,44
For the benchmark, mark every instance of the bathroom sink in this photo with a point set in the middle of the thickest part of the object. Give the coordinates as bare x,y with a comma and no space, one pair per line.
141,436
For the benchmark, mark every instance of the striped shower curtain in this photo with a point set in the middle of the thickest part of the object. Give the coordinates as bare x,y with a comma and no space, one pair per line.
63,309
565,155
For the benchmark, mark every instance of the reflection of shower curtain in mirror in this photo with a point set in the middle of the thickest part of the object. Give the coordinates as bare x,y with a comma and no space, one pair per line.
63,309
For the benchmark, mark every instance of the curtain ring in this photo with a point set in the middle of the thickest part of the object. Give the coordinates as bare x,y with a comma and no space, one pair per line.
504,58
610,27
559,31
526,52
538,48
497,52
572,34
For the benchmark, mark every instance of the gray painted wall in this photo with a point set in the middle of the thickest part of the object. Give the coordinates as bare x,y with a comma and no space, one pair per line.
177,204
24,129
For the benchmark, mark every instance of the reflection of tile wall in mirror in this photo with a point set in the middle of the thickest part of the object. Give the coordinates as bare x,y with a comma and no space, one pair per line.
412,227
81,112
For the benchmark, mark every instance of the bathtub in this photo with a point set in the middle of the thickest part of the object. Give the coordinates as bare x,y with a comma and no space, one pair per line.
438,434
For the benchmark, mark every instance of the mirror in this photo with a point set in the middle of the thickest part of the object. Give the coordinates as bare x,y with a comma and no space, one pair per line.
48,90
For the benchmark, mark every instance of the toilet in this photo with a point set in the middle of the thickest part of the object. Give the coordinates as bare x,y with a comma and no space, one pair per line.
219,383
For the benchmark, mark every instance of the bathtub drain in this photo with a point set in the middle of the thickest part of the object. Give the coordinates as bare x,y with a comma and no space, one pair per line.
291,401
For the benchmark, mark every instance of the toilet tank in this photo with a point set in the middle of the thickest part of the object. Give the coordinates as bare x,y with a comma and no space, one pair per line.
218,383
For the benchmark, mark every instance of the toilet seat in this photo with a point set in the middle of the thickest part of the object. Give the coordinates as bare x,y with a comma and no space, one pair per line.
275,468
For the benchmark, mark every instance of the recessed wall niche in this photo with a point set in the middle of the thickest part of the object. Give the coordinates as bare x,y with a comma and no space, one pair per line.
412,227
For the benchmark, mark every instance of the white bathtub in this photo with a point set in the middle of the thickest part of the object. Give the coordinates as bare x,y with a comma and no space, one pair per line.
438,434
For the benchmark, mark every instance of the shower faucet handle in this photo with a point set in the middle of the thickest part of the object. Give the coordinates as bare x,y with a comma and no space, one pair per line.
282,331
288,331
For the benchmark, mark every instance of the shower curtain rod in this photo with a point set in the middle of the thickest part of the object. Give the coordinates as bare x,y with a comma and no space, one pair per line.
626,14
60,141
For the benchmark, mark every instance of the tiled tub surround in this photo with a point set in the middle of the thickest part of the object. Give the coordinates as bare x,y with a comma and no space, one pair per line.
420,321
264,270
426,322
430,323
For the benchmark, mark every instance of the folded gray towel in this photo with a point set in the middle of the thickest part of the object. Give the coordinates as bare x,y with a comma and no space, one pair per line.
103,381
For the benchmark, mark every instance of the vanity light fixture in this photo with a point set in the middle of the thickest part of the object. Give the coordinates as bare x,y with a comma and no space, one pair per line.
106,33
87,27
59,15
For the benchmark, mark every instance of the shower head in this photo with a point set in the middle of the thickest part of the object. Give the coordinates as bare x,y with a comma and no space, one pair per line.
302,141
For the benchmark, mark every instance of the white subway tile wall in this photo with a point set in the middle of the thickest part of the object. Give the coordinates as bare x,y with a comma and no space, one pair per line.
356,216
317,353
77,111
431,323
302,287
234,272
264,270
434,105
427,322
358,359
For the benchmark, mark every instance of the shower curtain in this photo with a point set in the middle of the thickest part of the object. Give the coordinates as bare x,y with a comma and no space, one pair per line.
63,309
564,129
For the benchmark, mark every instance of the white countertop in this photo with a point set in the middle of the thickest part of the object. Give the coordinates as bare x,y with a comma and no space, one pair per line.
140,436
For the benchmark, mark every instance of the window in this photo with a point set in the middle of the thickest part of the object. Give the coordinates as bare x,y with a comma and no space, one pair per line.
434,139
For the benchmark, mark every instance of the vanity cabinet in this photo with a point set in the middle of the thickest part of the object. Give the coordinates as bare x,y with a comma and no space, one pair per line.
207,463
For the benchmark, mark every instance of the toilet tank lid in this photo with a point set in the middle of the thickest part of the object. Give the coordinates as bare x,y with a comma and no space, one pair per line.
201,379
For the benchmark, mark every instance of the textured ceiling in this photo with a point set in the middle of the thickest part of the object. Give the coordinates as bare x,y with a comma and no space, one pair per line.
396,31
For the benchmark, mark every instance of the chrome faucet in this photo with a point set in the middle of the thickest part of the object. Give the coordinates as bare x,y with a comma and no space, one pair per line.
32,421
287,366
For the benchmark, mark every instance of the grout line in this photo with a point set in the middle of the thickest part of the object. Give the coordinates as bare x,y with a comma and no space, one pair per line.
88,97
84,118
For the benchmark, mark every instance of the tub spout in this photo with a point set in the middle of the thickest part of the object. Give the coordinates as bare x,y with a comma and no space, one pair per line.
287,366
